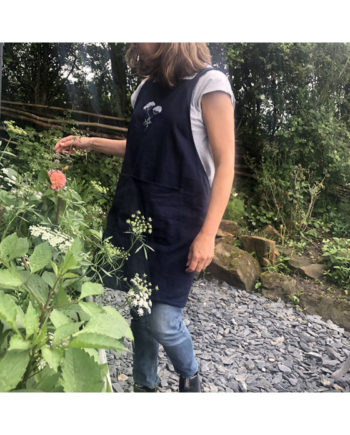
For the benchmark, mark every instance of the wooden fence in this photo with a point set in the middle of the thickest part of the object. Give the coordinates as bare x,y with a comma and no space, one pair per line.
89,124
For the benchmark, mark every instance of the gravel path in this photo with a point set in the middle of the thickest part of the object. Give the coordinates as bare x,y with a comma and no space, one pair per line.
247,343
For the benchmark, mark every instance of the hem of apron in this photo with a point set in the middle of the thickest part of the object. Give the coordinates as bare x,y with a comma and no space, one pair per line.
167,302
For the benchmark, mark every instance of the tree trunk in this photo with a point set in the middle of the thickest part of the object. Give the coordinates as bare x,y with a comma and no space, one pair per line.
117,55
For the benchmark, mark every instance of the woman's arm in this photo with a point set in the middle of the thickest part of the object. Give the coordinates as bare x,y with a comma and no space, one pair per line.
106,146
109,146
218,116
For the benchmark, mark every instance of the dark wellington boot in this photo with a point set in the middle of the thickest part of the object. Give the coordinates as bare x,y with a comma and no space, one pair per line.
143,389
190,385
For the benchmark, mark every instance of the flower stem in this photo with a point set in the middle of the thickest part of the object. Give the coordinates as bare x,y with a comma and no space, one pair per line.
59,202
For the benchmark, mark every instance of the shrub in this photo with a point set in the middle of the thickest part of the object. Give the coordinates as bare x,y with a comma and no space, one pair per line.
235,210
336,253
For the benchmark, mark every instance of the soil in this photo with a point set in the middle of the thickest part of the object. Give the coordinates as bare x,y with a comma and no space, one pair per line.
321,286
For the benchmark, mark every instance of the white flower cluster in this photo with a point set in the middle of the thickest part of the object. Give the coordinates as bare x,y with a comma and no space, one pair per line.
14,129
99,187
115,251
138,295
10,179
54,238
139,224
25,191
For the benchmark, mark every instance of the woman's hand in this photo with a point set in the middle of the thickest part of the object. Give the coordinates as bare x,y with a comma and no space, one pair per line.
201,253
71,144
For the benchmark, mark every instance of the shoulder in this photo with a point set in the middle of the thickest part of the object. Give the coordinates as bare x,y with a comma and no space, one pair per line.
134,95
211,81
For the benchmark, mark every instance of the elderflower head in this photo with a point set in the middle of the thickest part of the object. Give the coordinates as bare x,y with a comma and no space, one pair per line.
139,225
9,176
54,238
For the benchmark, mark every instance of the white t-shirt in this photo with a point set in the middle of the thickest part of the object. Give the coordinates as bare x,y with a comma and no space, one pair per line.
212,80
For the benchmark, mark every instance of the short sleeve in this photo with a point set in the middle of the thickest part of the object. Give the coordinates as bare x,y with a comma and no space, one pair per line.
211,81
134,95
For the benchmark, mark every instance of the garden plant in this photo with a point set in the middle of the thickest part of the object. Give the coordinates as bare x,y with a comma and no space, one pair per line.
52,264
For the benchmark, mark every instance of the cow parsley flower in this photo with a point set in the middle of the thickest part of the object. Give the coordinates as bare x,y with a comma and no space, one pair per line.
11,128
138,295
139,224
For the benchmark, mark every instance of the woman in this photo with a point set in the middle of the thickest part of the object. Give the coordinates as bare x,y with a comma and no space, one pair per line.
178,170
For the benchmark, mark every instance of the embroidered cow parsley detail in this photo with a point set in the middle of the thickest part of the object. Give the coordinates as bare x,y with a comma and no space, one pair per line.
151,110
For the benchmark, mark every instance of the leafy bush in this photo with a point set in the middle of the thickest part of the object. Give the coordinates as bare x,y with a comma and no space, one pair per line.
52,262
285,194
235,210
86,171
48,331
336,252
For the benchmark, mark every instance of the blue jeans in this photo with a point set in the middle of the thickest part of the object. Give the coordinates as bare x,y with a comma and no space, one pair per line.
165,326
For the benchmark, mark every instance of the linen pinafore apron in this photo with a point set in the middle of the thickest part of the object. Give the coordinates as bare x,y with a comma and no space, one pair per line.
162,177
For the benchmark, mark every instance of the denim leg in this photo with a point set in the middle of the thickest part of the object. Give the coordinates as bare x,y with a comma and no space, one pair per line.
168,328
145,352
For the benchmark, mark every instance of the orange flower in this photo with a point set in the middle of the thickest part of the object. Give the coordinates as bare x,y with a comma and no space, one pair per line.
57,178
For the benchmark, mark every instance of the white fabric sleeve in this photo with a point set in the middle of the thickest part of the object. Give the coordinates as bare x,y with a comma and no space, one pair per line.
134,95
211,81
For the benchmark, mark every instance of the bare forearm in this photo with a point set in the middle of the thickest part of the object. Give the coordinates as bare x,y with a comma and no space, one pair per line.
109,146
219,197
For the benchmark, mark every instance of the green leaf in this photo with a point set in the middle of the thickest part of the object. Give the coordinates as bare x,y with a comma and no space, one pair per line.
110,325
75,313
76,248
61,297
91,289
71,275
9,279
49,278
80,373
12,368
47,381
94,353
59,319
8,310
96,341
17,343
38,287
95,233
13,247
69,262
31,320
40,258
65,331
52,356
91,308
68,283
54,267
43,177
19,318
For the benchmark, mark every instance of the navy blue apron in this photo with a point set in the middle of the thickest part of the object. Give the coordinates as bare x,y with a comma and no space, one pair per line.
162,177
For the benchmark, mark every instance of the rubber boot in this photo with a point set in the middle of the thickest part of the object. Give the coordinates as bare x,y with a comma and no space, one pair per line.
190,385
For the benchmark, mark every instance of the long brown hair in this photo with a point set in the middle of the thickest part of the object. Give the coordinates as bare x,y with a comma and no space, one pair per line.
170,61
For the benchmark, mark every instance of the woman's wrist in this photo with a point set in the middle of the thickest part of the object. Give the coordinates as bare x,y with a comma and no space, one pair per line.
207,233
